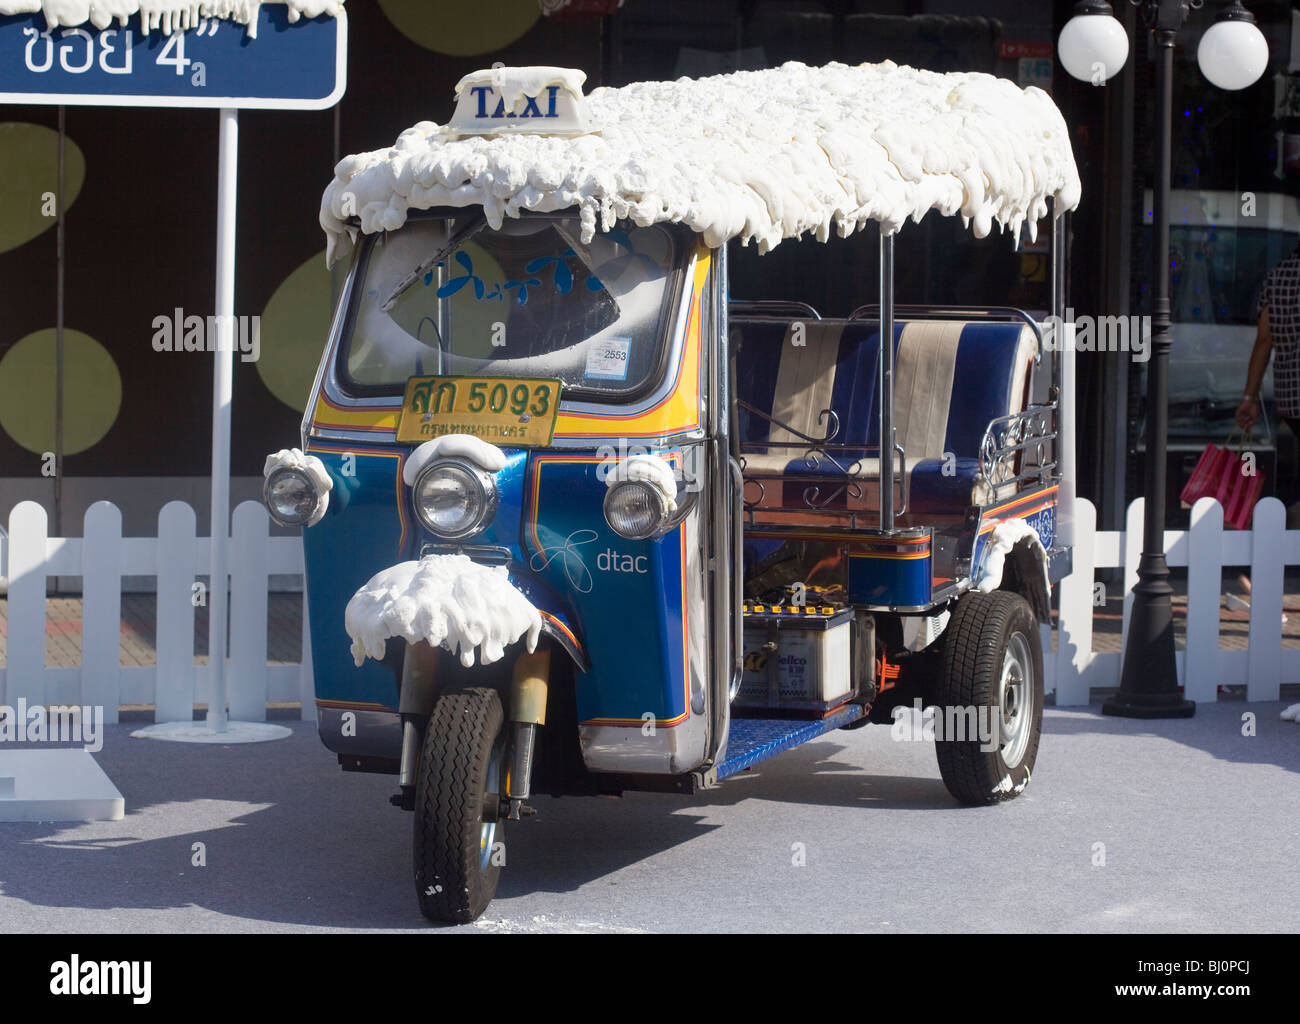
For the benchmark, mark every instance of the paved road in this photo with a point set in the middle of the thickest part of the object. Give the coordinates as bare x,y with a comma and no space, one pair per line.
1200,824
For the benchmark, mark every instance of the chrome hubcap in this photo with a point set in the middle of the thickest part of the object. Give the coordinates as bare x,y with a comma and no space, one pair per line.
488,828
1015,701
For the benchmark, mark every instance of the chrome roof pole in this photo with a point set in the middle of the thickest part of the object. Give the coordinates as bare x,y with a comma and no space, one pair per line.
886,381
1063,380
1059,226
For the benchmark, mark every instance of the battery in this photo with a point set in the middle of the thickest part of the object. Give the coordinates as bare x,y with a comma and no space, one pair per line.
797,661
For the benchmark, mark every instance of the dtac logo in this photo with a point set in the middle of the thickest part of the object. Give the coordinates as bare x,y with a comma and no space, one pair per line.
610,560
531,109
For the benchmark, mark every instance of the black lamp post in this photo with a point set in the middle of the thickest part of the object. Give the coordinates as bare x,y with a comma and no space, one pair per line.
1232,55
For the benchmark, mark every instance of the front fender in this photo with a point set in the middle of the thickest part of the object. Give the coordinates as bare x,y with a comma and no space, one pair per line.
556,622
1014,559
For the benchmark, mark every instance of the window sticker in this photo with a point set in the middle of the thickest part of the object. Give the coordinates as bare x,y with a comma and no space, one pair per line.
607,360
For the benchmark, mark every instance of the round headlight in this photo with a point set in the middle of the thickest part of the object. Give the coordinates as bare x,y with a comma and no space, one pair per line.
635,510
453,499
291,496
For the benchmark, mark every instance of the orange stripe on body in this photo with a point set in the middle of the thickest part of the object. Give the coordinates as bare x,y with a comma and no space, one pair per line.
379,419
1044,499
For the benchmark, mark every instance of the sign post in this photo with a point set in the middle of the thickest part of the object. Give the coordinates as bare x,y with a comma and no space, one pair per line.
223,382
271,65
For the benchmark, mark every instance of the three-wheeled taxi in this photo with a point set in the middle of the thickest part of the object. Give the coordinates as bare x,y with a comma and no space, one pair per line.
592,526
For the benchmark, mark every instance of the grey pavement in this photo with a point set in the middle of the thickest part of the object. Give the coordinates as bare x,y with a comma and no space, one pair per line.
1200,827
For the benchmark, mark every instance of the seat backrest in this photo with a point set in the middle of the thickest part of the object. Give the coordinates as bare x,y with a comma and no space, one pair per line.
991,372
794,370
923,386
805,379
951,378
756,344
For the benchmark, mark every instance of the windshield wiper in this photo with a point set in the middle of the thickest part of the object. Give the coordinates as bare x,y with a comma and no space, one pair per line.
472,228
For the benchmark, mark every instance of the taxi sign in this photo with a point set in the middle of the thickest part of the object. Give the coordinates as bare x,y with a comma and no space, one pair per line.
521,101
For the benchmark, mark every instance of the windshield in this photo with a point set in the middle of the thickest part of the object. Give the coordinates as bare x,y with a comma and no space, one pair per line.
450,296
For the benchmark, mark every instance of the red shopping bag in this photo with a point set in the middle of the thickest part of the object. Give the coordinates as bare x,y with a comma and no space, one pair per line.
1231,479
1243,490
1213,465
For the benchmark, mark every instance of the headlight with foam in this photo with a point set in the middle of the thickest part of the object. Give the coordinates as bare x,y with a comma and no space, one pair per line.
454,499
291,496
636,510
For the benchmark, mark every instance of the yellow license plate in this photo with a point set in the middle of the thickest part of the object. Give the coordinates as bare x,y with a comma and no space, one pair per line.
500,410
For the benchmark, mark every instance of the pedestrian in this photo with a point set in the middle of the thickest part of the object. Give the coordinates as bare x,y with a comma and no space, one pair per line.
1277,336
1277,312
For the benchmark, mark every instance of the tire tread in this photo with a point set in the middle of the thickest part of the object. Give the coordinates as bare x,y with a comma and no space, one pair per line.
458,743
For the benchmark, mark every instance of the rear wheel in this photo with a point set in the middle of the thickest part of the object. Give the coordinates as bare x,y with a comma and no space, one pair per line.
992,668
457,795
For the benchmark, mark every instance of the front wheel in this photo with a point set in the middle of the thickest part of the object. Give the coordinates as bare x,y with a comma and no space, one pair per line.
992,670
457,796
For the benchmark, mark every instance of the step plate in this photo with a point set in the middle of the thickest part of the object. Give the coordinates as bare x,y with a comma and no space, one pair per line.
752,740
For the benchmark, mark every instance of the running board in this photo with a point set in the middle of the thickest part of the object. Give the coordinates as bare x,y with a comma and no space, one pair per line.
752,740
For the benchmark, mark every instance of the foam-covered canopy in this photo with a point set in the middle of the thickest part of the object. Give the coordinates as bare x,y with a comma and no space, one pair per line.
754,155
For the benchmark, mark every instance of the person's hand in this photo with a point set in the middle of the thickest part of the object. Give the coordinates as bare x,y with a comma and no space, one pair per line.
1248,413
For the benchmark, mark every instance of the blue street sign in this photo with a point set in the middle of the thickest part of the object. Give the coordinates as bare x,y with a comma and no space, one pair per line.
299,66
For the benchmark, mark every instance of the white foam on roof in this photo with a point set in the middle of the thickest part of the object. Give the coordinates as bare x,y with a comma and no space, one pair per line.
169,15
754,155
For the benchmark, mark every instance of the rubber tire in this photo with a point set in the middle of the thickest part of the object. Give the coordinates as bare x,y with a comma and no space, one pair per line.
450,786
974,645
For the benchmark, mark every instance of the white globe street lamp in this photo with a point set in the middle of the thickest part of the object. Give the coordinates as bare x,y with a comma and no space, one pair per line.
1093,45
1233,52
1232,55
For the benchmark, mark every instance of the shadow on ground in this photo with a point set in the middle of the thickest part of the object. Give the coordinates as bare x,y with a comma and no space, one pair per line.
281,819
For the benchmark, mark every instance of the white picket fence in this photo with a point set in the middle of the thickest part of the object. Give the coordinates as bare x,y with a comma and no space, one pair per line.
101,557
1205,549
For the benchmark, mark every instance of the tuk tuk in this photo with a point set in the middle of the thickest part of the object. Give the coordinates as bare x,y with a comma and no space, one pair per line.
594,526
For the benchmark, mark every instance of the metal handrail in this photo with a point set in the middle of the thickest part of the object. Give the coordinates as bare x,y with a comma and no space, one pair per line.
1008,435
754,410
955,313
772,307
902,475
